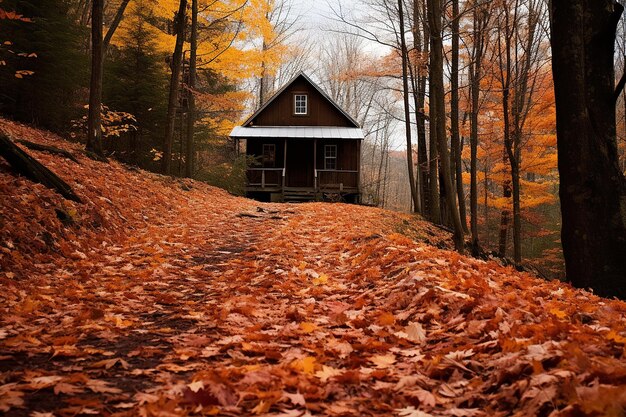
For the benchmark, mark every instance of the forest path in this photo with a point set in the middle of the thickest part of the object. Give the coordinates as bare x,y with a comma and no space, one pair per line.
167,297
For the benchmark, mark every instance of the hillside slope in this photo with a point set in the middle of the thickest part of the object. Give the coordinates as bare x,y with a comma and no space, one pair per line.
164,297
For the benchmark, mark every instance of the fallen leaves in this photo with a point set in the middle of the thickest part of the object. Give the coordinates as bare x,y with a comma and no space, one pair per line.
101,387
327,372
413,332
10,396
383,361
306,364
159,299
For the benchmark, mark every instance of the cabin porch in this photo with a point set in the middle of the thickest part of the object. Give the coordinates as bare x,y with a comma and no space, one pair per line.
302,169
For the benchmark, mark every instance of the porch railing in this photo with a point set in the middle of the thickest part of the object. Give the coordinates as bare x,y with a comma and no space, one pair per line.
265,177
336,179
325,179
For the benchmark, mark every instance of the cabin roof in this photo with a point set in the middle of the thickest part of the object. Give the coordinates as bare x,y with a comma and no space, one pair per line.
297,132
286,86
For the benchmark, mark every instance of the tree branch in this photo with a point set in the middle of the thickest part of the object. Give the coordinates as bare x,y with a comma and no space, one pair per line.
115,23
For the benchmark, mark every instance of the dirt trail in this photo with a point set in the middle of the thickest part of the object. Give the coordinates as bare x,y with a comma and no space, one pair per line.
162,297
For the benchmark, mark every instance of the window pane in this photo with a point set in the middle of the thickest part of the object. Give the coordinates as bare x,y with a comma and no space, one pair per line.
330,156
269,155
300,104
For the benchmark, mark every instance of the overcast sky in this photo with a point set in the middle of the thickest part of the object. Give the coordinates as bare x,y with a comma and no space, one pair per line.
314,13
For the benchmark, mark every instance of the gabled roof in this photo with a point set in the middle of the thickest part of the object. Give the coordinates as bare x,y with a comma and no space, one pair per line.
286,86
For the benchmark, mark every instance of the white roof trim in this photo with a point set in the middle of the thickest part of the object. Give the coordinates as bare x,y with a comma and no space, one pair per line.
297,132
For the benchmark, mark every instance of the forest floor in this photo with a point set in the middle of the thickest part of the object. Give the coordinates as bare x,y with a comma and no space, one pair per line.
166,297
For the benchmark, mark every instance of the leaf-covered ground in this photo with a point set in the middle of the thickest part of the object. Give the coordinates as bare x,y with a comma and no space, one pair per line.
163,297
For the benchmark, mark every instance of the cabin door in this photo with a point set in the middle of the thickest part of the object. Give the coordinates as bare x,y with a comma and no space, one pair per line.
300,163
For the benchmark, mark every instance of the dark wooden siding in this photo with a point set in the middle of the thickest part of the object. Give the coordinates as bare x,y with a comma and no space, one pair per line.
347,158
320,111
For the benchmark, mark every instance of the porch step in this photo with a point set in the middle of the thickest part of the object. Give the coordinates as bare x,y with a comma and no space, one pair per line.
298,195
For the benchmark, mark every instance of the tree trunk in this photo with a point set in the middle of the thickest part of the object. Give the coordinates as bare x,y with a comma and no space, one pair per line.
407,115
94,119
32,169
438,116
517,212
50,149
521,104
480,18
421,45
172,103
505,33
506,185
455,158
416,93
592,187
475,86
191,100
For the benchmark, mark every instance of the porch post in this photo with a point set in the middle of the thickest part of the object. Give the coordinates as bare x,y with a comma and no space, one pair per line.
315,164
285,164
358,170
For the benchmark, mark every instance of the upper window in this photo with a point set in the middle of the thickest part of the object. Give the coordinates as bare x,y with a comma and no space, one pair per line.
330,156
269,155
300,104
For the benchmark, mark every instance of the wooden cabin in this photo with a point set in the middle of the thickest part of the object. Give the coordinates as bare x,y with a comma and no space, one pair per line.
302,147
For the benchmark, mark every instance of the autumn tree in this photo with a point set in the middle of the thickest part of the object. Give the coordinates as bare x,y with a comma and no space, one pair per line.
518,44
592,186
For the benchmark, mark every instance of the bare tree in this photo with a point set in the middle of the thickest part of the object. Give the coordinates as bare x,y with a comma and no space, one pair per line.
455,151
279,14
480,15
407,114
419,76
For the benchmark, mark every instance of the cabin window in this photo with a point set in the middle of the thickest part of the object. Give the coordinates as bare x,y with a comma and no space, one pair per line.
301,104
269,155
330,156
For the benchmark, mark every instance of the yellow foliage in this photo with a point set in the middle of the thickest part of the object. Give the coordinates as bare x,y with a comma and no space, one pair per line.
230,44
